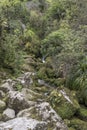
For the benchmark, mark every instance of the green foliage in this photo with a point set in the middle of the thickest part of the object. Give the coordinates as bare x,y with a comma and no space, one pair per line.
79,77
32,44
10,32
82,113
19,87
66,48
78,124
57,10
37,22
12,9
52,44
9,57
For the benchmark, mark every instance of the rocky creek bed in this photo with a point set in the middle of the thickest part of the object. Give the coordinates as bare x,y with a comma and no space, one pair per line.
24,107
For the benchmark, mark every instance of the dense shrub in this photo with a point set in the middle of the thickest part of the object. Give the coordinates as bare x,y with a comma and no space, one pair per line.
66,48
9,53
32,43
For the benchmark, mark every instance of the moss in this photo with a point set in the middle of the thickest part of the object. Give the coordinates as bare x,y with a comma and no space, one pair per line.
2,106
56,81
33,95
82,96
71,128
66,111
27,67
51,126
5,99
19,87
67,122
34,114
42,73
61,105
0,117
82,113
42,89
78,124
47,72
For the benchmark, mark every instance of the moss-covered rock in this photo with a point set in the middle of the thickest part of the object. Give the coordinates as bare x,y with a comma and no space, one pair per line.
71,128
42,89
82,113
64,102
2,105
44,112
67,122
2,94
42,73
83,96
30,94
0,116
78,124
28,63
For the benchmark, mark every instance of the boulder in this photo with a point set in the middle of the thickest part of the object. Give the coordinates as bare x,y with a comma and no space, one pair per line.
22,123
44,112
25,79
2,105
17,101
6,87
64,102
30,94
41,82
8,114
